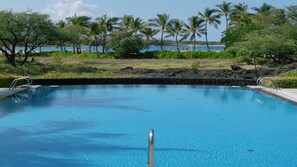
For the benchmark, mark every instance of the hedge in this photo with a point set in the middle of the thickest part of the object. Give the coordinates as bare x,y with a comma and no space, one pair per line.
144,55
286,82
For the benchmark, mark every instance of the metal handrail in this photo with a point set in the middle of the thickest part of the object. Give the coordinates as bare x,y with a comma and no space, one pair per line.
14,82
260,81
150,161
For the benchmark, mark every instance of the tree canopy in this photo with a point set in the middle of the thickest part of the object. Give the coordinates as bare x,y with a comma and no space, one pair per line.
28,29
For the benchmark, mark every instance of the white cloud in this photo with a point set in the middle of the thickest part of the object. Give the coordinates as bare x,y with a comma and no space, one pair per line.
59,10
111,14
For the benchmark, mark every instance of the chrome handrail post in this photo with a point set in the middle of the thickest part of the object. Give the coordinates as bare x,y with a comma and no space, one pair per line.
150,161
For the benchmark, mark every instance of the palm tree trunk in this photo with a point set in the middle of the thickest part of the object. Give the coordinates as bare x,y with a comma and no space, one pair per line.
96,45
227,25
176,42
194,44
206,39
103,45
162,33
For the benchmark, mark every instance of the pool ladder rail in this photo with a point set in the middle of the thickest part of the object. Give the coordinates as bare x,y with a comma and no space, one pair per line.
268,83
150,161
14,83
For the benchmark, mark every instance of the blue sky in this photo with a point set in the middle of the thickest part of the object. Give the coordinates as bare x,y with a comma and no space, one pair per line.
146,9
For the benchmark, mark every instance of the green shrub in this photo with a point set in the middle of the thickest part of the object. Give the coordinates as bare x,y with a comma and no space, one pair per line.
165,54
127,45
290,74
187,55
286,82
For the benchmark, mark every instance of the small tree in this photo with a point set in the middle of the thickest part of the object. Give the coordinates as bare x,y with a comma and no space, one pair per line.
262,47
126,45
27,29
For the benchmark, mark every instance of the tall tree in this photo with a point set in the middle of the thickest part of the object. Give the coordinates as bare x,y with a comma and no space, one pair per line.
63,34
106,26
264,9
210,17
136,25
225,9
28,29
149,32
126,22
240,14
175,29
193,29
94,35
79,27
161,23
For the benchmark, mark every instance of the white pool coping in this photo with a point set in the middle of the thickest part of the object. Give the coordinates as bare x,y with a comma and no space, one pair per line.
287,94
5,92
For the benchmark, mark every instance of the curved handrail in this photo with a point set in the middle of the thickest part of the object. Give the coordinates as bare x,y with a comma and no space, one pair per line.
14,82
274,85
150,161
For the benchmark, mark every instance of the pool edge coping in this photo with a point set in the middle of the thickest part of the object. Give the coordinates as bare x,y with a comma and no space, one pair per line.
5,92
281,94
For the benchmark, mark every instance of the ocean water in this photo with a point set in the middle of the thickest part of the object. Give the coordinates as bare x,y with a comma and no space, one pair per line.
150,48
108,125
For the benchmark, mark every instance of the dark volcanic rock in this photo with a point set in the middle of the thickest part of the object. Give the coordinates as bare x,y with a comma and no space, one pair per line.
127,68
235,67
190,73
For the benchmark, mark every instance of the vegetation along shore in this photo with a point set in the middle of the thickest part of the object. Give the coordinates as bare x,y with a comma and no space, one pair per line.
261,43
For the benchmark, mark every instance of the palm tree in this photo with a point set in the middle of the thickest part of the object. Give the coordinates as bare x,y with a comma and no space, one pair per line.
225,9
126,22
149,32
161,22
175,29
136,25
94,32
79,26
265,8
193,29
106,25
83,21
61,28
239,13
210,17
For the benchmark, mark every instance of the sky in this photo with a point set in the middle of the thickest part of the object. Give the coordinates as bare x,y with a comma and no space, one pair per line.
145,9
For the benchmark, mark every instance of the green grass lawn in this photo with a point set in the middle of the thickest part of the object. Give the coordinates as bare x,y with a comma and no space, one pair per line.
52,67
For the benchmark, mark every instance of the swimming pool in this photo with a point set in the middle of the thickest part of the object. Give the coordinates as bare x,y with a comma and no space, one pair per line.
108,125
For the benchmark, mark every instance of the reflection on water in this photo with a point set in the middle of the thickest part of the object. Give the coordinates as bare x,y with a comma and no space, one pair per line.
107,125
34,97
102,96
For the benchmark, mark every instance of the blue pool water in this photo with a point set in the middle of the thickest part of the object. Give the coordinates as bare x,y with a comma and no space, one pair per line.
108,125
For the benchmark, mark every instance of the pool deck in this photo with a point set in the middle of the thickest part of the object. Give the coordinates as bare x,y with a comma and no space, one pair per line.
286,94
5,92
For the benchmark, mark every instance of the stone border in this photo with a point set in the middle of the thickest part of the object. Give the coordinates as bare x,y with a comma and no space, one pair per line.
165,81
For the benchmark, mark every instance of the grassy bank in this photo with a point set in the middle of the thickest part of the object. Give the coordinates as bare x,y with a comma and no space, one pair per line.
92,65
